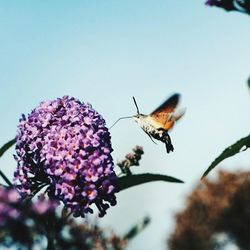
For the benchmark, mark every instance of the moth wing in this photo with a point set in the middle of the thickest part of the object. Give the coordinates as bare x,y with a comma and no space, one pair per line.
165,114
168,106
172,118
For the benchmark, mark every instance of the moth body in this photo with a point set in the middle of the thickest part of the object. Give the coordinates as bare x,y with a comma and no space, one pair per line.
157,124
154,129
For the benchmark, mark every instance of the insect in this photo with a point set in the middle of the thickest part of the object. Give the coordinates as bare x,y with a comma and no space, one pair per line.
157,124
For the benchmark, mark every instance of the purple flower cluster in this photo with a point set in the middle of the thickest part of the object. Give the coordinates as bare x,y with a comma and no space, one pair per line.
65,144
12,206
8,205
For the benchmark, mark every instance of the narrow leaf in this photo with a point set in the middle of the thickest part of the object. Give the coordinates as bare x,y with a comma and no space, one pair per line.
6,179
136,229
6,146
133,180
241,145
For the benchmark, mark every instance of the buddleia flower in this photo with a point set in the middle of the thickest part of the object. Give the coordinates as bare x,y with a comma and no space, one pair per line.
65,145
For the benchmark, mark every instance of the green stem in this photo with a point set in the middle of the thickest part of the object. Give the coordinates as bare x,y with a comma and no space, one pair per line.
6,179
68,215
50,245
50,234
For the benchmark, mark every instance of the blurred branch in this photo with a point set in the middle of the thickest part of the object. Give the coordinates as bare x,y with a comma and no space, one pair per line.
215,208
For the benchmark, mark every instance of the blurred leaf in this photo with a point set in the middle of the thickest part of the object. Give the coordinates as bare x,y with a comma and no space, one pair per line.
242,6
133,180
248,82
136,229
241,145
6,146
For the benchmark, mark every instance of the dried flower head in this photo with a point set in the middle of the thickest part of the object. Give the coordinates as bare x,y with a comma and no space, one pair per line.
65,144
131,159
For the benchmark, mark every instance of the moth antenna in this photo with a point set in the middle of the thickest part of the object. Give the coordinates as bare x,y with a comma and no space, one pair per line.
126,117
138,112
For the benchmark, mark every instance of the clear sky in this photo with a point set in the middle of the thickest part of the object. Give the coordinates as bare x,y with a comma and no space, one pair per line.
106,51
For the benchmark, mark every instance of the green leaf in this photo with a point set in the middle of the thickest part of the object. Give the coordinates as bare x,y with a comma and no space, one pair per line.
5,178
133,180
241,145
6,146
136,229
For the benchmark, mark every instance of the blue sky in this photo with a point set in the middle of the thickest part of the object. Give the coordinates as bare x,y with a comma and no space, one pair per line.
105,52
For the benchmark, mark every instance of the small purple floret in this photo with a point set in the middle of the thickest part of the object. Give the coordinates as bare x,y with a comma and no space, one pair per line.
209,2
43,206
65,144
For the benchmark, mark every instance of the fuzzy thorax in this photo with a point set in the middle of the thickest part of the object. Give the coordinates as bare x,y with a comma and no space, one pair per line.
147,123
154,129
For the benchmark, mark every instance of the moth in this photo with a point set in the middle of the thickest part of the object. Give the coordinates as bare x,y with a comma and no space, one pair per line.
157,124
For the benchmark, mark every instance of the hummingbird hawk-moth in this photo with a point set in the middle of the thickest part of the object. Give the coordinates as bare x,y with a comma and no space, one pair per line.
157,124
